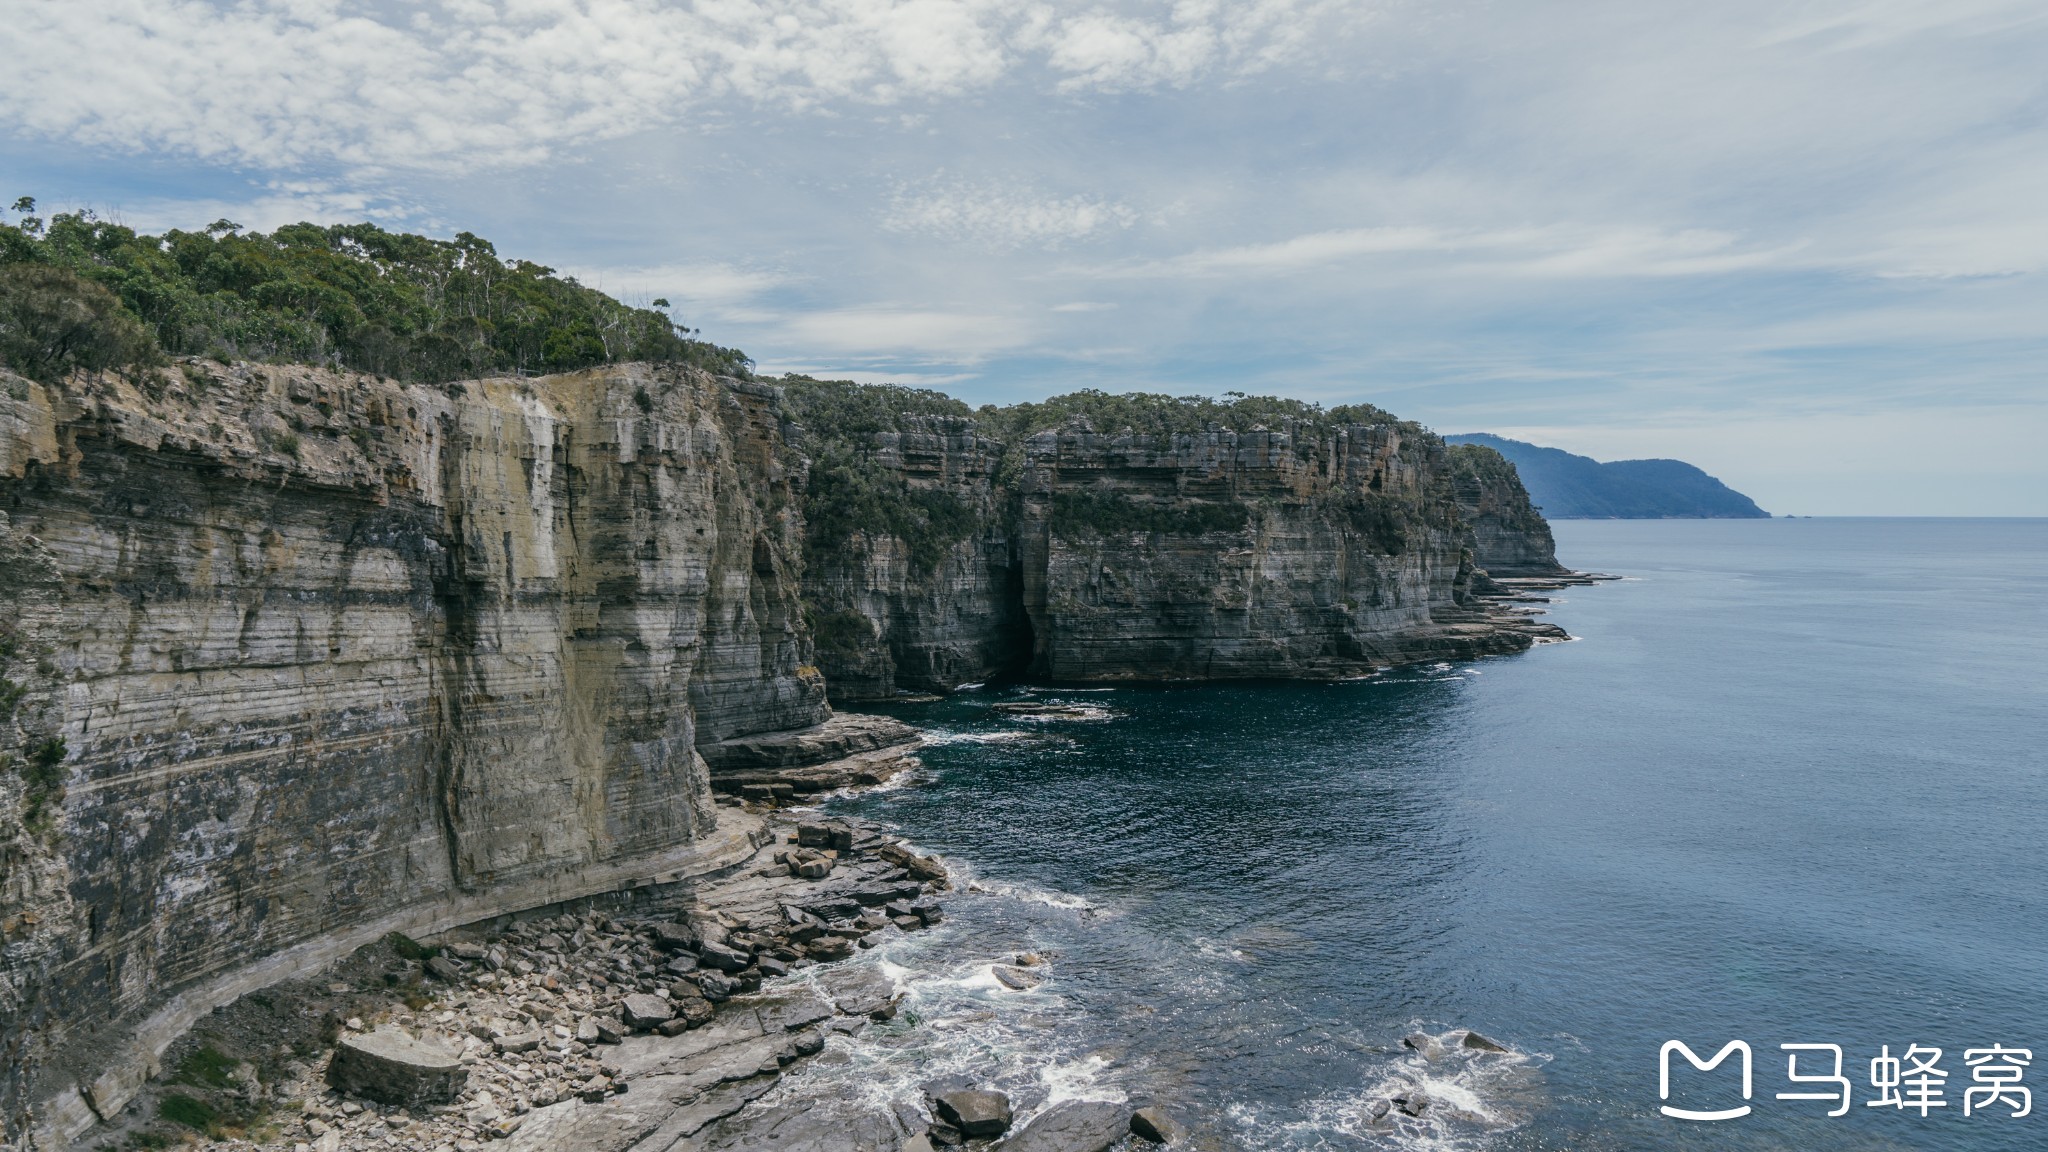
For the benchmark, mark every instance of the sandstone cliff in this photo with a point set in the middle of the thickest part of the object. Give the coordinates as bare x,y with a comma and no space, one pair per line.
1026,540
1509,536
304,650
291,657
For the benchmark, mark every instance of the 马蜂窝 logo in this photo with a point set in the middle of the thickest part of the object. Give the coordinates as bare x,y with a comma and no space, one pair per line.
1912,1081
1692,1058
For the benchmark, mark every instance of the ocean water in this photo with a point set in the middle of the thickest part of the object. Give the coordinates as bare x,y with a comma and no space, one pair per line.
1787,786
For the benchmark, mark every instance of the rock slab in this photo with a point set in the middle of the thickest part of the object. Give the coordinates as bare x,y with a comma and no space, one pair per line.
391,1067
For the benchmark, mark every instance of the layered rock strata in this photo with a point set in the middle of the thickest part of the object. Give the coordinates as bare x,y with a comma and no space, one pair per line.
307,650
1305,551
1510,538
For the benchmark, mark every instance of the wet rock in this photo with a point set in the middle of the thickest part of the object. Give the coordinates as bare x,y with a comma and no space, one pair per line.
830,908
829,948
978,1113
880,892
1072,1126
1379,1110
1425,1044
1016,979
1155,1125
1478,1043
645,1011
1414,1101
393,1068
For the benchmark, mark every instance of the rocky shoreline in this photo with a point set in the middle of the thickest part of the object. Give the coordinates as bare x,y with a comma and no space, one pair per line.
608,1024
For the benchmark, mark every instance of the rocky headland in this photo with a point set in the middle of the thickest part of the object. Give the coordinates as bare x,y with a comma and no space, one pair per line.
302,666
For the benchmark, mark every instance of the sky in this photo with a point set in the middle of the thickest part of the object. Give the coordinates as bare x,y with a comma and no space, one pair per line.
1800,243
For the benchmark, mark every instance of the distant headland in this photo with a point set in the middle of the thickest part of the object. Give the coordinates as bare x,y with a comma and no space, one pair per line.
1572,487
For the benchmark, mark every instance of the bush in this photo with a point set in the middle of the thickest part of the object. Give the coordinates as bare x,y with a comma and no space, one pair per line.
350,295
1112,513
188,1111
52,322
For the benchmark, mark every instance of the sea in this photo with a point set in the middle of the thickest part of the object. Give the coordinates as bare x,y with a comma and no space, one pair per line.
1785,786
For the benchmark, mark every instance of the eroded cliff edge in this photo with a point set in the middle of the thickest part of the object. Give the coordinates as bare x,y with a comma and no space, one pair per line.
293,657
1100,538
316,648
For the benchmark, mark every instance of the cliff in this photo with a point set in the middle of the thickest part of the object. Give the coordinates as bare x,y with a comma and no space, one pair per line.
1023,539
293,657
293,652
1509,536
1571,487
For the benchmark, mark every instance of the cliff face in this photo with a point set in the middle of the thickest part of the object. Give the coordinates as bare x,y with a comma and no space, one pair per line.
936,611
1509,536
320,648
1227,555
1319,549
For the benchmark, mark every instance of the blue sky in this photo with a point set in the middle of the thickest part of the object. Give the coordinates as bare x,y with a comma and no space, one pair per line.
1803,245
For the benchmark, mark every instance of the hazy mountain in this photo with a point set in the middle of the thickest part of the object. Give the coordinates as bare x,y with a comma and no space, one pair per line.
1572,487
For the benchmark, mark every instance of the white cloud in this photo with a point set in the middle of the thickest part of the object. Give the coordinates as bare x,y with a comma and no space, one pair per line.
999,217
1553,251
927,334
457,84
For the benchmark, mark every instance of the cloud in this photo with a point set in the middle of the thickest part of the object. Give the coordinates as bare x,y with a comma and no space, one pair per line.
455,85
926,334
1000,217
1553,251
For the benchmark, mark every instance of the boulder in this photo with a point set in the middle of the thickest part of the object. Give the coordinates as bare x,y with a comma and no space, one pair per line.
1158,1127
1016,979
1414,1101
724,958
978,1113
829,948
444,968
1425,1044
515,1042
1072,1126
694,1011
1478,1043
830,908
676,936
644,1011
392,1067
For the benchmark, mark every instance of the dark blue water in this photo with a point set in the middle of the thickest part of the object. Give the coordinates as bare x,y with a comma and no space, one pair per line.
1786,787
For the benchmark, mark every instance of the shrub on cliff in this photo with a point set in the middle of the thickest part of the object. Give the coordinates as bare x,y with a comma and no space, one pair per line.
354,296
1107,513
850,492
52,322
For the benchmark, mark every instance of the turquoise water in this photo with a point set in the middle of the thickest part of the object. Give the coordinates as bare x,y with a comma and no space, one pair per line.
1786,787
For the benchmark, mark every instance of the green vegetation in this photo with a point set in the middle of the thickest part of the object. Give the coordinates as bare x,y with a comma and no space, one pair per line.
206,1067
43,772
187,1110
407,948
1477,469
1110,513
81,292
1154,414
842,632
850,492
